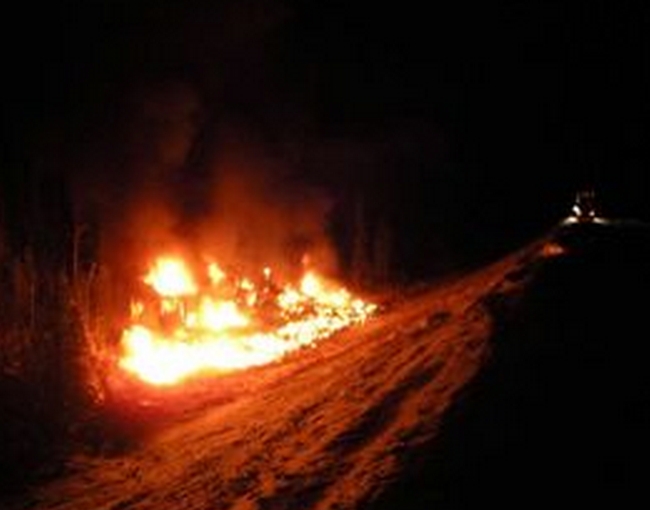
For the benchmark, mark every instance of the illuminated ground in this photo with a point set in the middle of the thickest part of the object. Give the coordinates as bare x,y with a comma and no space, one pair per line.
500,385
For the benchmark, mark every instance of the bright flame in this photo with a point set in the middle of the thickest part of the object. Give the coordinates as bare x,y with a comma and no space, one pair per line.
215,273
170,277
219,315
229,323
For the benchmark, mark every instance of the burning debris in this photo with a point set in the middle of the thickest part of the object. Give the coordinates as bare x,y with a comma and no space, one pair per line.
184,325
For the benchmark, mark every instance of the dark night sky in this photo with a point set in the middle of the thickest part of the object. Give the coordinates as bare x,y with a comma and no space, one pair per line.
466,128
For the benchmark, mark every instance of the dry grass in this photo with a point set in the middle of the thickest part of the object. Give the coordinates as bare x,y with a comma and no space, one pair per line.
56,335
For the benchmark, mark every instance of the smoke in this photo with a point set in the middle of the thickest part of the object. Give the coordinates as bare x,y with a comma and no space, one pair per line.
262,211
163,180
134,156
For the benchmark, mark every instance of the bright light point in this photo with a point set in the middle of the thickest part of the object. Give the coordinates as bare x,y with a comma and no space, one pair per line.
215,273
170,277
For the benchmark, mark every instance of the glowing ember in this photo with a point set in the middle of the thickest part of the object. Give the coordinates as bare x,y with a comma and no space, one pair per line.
228,323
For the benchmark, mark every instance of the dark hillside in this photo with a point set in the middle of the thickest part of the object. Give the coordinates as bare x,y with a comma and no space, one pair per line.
561,413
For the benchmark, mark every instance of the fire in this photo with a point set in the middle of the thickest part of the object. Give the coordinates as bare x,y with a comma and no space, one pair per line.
221,322
170,277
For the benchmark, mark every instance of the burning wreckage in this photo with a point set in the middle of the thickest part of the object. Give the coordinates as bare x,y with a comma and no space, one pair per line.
213,322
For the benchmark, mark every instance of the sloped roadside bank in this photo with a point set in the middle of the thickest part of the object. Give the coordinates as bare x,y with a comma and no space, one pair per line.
506,386
561,410
331,427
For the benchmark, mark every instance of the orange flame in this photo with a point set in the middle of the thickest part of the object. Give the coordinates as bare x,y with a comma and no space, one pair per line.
170,277
229,323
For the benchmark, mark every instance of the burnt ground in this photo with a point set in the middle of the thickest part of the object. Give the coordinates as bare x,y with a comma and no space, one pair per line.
522,384
560,414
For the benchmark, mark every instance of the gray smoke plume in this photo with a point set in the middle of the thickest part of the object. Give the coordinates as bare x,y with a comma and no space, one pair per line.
254,209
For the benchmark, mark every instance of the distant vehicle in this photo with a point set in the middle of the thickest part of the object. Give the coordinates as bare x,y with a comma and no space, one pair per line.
584,207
